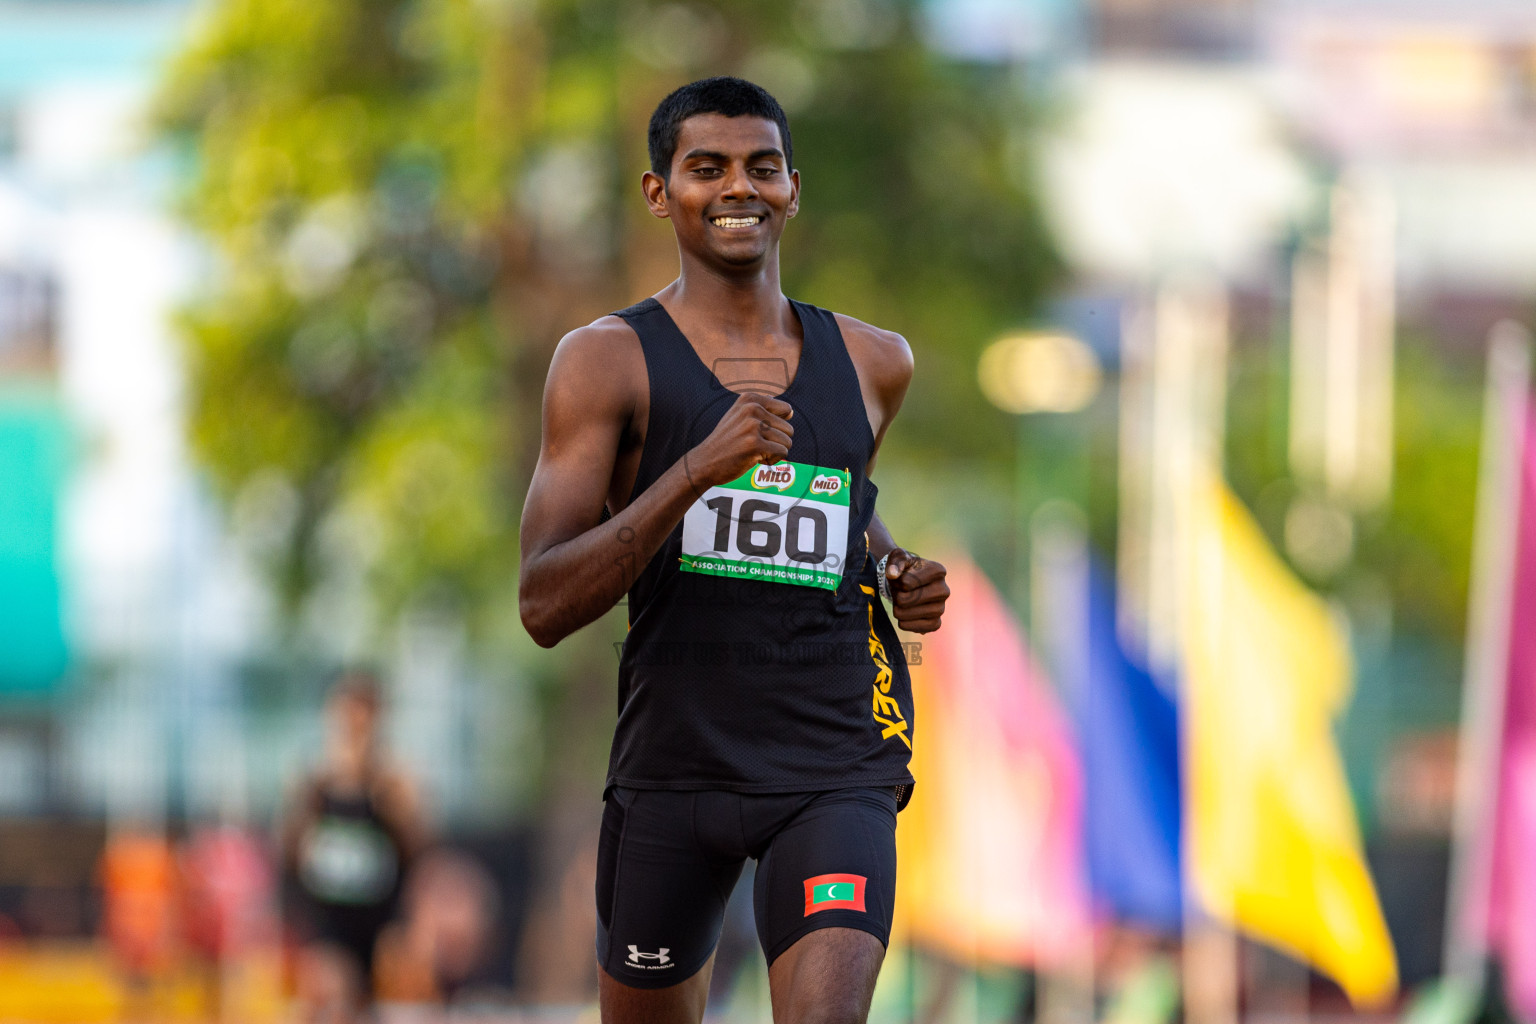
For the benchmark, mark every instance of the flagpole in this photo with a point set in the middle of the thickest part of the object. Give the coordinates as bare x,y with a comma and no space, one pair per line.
1058,563
1173,398
1487,649
1188,404
1132,554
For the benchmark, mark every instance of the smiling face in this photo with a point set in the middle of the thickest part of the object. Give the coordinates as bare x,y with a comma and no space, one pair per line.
729,192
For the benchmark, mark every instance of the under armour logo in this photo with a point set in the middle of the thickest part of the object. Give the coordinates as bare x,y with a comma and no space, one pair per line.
660,956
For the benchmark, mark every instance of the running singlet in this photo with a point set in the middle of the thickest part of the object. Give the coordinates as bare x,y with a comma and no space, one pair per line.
347,856
759,657
350,866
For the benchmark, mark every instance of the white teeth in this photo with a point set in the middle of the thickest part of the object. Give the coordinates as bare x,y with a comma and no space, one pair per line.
735,222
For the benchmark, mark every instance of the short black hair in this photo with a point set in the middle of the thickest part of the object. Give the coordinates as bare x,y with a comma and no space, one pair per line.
733,97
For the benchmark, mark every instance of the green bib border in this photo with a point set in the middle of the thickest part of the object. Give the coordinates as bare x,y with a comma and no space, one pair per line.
800,490
770,573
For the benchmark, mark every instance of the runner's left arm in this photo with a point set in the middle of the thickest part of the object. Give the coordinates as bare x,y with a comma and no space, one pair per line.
917,584
884,363
401,806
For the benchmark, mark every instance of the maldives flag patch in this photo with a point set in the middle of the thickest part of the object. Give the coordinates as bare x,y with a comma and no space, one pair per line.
834,892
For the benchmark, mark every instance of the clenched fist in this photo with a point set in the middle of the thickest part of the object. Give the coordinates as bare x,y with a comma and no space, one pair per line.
753,431
918,590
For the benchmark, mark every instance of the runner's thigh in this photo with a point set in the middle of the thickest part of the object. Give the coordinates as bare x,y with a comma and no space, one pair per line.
832,865
661,895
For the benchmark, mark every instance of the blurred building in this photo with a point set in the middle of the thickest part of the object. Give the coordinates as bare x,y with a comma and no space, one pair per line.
90,268
1435,102
141,677
1202,28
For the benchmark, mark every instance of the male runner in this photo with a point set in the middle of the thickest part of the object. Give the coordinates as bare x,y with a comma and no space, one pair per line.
708,451
348,839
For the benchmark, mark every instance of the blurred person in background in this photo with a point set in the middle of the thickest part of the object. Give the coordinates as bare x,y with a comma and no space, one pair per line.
349,836
765,705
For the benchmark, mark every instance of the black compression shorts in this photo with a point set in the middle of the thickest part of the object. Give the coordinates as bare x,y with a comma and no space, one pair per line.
667,861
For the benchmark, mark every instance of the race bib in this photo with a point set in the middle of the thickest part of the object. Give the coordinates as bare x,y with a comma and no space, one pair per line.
347,861
784,523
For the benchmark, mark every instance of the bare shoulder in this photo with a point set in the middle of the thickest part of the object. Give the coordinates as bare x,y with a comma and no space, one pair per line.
597,367
883,355
607,342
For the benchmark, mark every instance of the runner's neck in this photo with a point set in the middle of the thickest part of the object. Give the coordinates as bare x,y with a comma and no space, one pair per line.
743,308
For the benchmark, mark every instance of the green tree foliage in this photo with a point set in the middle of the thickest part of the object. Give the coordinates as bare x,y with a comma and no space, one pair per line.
1419,545
349,179
407,202
1424,545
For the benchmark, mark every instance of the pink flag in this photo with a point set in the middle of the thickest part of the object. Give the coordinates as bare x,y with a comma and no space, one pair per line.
990,847
1512,903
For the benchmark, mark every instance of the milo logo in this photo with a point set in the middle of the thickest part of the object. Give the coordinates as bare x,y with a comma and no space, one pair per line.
826,483
779,477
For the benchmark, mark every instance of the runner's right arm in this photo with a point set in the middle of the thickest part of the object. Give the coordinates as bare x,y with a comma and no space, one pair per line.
574,565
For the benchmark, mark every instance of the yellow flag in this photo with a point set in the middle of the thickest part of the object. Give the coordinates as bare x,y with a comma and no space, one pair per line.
1272,840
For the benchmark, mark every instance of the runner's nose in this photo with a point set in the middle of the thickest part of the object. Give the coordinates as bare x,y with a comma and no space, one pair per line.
739,184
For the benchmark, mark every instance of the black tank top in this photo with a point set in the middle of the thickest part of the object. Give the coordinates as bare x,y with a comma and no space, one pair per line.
752,684
349,857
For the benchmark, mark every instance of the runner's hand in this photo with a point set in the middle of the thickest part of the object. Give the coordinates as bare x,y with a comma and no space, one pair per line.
918,590
753,431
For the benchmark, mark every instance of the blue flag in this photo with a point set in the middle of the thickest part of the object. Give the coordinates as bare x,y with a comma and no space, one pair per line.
1128,734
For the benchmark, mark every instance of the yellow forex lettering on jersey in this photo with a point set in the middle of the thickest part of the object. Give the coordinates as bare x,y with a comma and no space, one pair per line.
877,649
886,712
897,728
